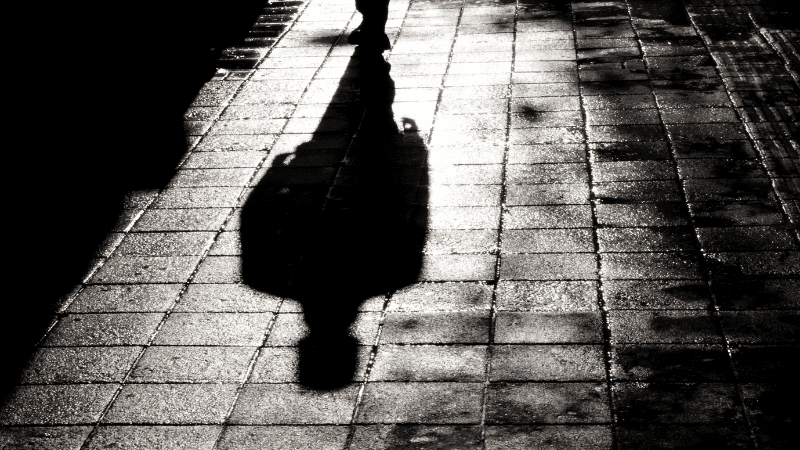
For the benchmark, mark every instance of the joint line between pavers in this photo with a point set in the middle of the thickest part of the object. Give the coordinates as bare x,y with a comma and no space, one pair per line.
603,309
704,271
373,354
706,274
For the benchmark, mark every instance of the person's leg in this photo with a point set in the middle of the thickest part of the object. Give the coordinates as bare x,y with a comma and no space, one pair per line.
375,13
371,32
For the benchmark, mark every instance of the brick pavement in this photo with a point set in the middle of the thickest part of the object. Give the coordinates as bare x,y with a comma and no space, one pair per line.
591,241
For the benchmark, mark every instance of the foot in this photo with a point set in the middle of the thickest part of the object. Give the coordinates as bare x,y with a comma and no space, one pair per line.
370,40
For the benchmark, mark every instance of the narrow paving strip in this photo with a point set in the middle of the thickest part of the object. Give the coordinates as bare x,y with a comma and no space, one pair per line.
598,201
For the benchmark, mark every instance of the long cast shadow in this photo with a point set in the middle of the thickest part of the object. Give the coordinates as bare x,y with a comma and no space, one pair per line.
128,74
328,224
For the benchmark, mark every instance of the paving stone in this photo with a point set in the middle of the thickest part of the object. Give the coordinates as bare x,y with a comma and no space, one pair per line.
294,176
455,241
690,132
542,328
720,168
656,294
679,100
637,191
608,102
235,329
736,293
727,264
422,327
104,329
459,363
570,437
761,327
642,215
663,327
219,270
280,365
544,90
474,106
547,240
616,87
545,135
56,404
465,155
208,219
192,364
125,298
546,296
145,269
677,403
546,173
546,153
171,404
567,216
45,438
421,403
465,174
548,403
226,298
80,365
547,363
296,437
224,151
646,239
528,105
738,213
482,137
210,177
547,194
764,363
745,239
384,437
151,437
543,77
442,297
659,437
165,244
293,404
649,265
603,152
632,171
457,268
670,363
549,266
699,115
463,195
713,148
198,197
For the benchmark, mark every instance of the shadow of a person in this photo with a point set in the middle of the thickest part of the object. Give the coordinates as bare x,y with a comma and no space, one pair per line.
329,224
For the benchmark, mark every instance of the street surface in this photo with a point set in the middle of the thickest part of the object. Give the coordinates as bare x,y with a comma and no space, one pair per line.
544,224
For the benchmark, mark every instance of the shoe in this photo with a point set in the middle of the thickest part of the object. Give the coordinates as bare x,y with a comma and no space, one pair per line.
377,41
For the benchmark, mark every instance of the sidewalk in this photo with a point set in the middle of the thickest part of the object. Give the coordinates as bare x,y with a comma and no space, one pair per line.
584,237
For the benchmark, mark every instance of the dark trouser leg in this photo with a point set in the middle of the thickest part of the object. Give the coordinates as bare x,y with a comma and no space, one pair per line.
375,14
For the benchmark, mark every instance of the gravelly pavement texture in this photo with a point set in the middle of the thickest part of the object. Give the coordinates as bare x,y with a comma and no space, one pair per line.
546,224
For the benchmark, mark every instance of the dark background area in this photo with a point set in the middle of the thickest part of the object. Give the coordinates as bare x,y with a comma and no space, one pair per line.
97,93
